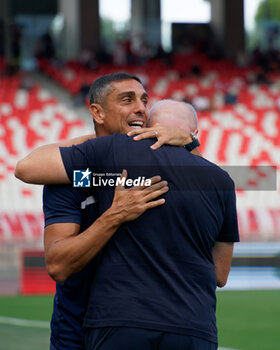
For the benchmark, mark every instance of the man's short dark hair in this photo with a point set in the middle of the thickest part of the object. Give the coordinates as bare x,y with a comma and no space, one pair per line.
101,87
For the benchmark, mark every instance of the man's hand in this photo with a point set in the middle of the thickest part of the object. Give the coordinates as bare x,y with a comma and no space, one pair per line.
129,204
165,135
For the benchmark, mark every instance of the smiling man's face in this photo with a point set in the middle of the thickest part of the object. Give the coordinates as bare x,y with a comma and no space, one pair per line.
125,107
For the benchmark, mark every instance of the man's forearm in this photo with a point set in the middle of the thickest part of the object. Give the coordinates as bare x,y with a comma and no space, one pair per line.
71,254
44,164
222,257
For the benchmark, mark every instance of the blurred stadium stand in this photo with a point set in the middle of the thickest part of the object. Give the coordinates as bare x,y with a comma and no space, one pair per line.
28,118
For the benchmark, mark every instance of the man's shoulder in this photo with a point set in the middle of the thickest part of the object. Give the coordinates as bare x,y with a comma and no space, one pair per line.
213,170
118,141
105,141
205,162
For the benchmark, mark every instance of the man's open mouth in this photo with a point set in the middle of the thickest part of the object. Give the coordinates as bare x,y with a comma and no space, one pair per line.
136,124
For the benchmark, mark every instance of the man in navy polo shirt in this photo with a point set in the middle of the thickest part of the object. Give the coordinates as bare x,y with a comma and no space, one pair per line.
155,281
69,212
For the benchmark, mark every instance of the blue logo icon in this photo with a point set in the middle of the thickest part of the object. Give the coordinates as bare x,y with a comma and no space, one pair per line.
82,178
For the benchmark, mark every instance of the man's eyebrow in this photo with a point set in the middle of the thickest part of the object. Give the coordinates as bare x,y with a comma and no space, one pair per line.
126,93
131,94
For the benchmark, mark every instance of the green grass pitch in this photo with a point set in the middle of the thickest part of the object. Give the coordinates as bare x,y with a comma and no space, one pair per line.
28,308
247,320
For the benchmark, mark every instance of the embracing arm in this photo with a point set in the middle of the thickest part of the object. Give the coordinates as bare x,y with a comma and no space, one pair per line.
44,164
222,256
68,252
168,135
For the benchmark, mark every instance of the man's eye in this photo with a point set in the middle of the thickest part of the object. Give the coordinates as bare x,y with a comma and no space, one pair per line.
127,99
145,102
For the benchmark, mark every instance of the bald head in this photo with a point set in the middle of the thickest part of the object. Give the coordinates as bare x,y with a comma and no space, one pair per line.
173,113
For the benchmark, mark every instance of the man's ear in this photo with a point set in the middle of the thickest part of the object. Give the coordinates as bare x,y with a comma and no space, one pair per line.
97,113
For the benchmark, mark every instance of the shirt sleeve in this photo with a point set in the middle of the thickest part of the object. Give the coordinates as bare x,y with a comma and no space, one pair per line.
229,231
61,204
88,155
76,158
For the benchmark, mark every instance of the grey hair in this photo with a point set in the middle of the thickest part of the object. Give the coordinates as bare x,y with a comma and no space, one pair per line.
188,105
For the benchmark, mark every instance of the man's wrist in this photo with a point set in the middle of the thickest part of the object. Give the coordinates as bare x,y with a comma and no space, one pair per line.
192,145
113,216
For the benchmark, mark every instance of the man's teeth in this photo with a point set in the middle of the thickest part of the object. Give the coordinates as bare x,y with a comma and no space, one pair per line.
136,124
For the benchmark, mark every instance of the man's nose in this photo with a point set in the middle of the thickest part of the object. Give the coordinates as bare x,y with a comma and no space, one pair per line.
141,107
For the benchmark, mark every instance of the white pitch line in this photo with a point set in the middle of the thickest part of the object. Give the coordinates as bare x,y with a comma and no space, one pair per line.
24,323
227,349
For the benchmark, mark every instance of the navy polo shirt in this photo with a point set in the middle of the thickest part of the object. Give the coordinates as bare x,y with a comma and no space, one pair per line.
157,272
63,204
